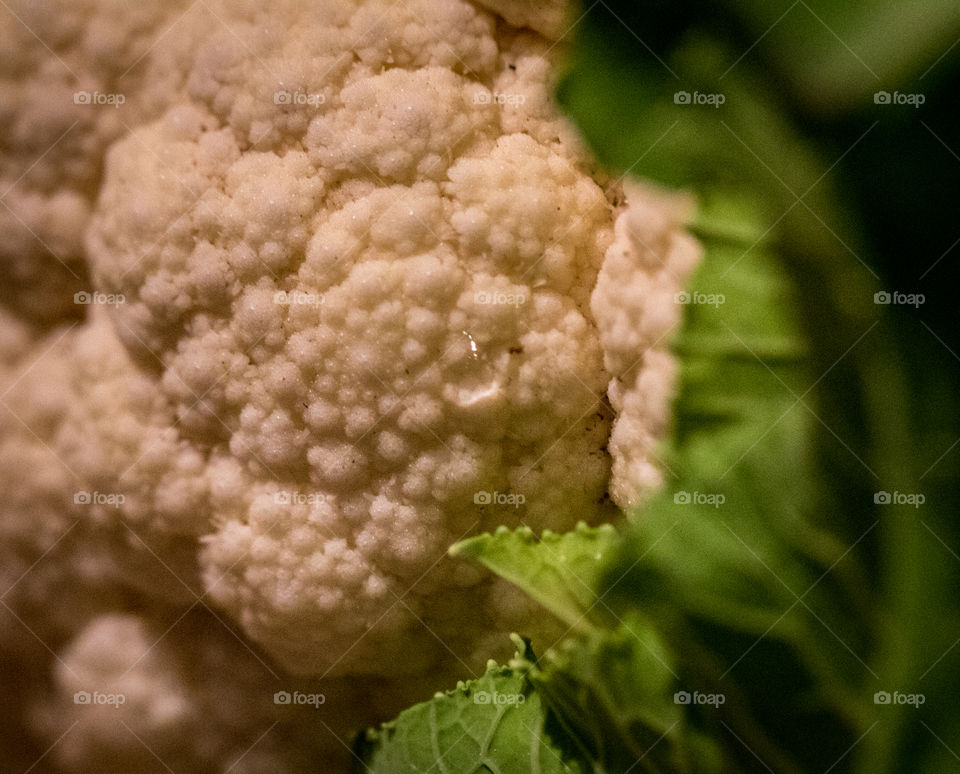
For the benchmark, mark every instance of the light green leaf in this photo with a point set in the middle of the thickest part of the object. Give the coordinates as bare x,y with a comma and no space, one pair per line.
492,725
560,571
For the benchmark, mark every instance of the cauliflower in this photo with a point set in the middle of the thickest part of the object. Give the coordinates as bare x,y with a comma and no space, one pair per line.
194,699
54,137
357,324
635,308
357,294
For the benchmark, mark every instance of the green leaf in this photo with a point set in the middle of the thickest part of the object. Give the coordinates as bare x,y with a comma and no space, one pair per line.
492,725
560,571
613,692
744,565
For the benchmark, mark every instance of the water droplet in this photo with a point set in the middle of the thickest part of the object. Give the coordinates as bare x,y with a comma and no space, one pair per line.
473,344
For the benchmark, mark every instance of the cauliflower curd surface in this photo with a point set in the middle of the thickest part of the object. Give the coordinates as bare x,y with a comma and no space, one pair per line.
351,291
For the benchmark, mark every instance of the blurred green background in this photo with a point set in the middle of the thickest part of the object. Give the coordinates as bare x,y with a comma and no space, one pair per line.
825,138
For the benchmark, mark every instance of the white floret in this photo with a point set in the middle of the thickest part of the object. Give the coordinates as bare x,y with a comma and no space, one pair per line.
634,304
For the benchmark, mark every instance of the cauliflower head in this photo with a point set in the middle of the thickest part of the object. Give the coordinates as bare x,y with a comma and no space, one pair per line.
354,291
353,328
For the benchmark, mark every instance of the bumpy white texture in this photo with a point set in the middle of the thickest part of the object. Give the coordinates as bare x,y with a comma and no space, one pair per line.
445,243
636,310
356,246
53,141
431,338
194,691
